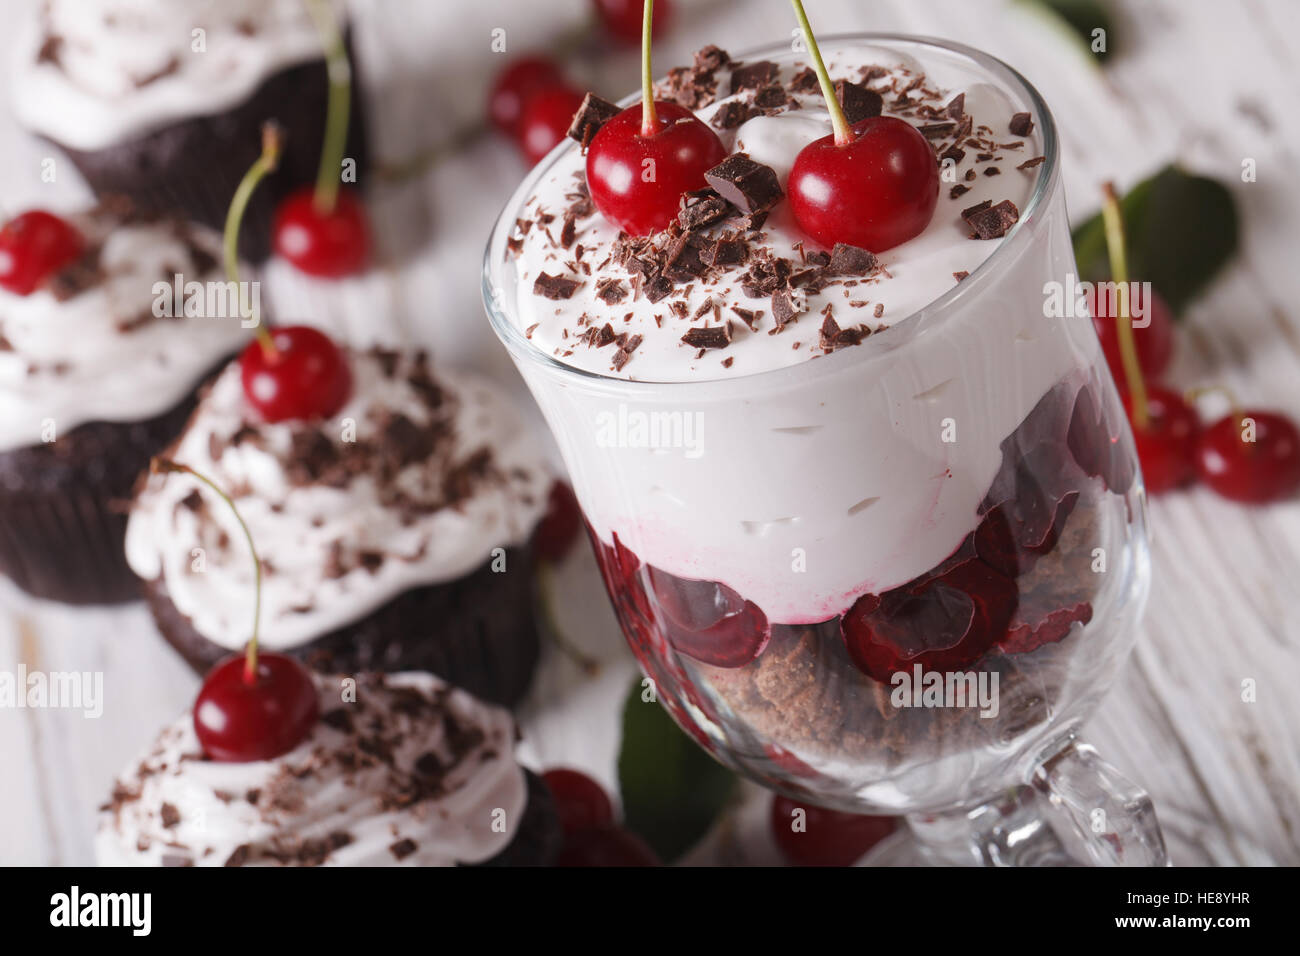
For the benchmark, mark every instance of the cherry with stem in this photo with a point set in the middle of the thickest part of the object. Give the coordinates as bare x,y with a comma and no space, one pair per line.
323,230
873,184
250,707
642,160
294,372
1165,427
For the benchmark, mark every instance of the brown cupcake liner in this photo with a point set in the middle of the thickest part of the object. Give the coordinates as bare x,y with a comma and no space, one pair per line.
477,632
538,840
62,508
192,168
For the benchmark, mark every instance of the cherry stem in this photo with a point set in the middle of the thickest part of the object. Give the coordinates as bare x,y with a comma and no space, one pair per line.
266,164
839,122
649,119
545,587
338,105
1114,221
165,466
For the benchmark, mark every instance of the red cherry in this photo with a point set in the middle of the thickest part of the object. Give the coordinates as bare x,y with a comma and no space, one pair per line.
606,846
637,181
33,246
1155,341
307,377
515,85
623,19
580,802
1254,472
546,121
1167,446
326,244
829,837
875,192
239,722
559,527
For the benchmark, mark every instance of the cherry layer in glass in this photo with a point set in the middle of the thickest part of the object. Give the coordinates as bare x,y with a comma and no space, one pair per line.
873,524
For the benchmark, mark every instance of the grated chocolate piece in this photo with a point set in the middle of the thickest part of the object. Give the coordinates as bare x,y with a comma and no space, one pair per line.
847,260
992,222
708,337
752,76
555,287
591,116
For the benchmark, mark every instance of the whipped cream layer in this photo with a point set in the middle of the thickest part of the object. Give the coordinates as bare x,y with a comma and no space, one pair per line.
833,475
910,275
414,482
88,344
92,73
409,772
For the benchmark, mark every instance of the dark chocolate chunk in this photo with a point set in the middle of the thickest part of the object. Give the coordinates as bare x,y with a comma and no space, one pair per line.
1021,124
726,252
992,171
403,848
732,114
598,338
704,212
751,187
953,152
749,316
591,116
957,191
685,258
555,287
170,816
751,76
960,275
859,103
956,107
936,130
771,98
708,337
710,58
847,260
992,222
805,81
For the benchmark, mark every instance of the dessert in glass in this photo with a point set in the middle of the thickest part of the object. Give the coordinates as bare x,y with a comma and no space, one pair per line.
872,523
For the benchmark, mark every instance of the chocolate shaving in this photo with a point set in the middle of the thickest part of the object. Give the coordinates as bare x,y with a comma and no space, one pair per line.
708,337
847,260
783,309
1031,163
611,290
1021,124
555,287
591,116
992,222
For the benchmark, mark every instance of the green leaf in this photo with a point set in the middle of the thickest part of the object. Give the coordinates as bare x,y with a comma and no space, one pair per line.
672,790
1181,230
1080,18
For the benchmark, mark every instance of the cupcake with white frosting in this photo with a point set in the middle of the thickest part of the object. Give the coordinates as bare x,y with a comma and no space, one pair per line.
99,366
398,770
395,533
162,100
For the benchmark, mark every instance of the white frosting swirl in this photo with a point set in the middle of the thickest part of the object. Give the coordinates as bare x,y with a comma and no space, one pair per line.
329,801
103,355
335,549
92,73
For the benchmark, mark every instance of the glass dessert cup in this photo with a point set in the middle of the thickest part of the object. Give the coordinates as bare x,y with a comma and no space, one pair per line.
896,578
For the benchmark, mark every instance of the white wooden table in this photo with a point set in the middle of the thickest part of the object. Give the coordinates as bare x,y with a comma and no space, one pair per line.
1199,80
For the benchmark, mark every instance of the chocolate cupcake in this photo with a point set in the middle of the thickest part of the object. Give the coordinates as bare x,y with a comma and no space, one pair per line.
400,770
163,100
98,371
395,535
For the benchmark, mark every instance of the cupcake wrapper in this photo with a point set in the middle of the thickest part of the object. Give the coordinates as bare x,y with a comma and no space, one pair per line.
477,632
62,517
537,841
193,167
